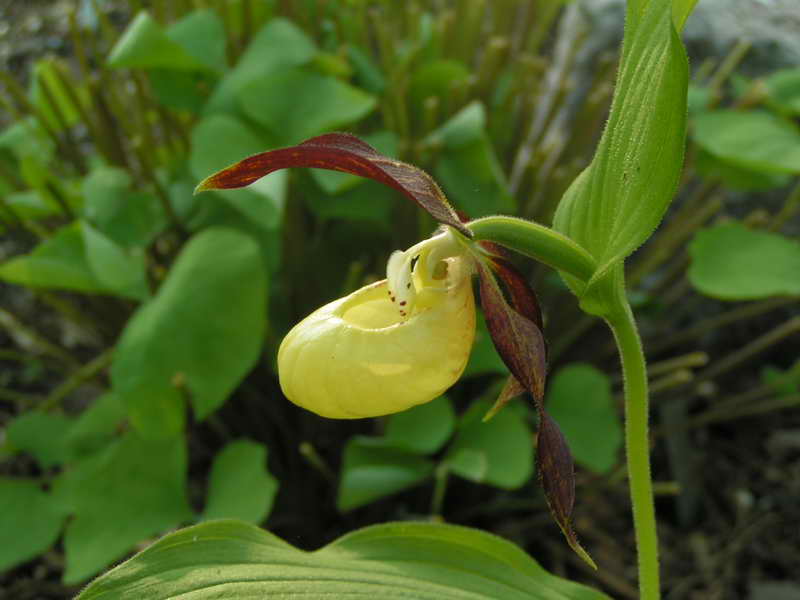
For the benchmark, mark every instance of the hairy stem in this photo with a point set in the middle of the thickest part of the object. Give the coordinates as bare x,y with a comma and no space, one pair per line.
637,447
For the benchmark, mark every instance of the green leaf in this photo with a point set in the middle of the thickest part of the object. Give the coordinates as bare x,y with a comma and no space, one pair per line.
145,45
373,468
424,561
468,167
128,217
30,521
42,435
783,88
202,34
617,202
263,201
240,466
579,399
755,139
278,45
200,335
134,489
732,262
735,176
505,445
115,269
96,426
423,429
57,263
297,113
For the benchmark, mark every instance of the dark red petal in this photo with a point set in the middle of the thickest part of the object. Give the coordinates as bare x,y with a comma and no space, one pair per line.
522,297
518,339
346,153
557,476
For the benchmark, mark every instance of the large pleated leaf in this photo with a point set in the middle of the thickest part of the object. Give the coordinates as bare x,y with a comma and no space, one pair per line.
619,200
423,561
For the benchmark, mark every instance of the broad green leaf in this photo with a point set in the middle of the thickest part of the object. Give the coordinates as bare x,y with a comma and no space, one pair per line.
620,198
124,272
732,262
278,45
128,217
754,139
134,489
424,561
422,429
783,88
373,468
579,399
30,521
735,176
145,45
505,443
96,426
58,262
200,335
202,34
297,113
239,486
468,167
26,137
42,435
263,201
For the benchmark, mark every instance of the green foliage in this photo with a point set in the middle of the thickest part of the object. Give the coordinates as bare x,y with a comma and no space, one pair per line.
240,466
373,468
499,452
732,262
617,202
422,560
132,489
199,335
756,140
579,399
30,521
188,294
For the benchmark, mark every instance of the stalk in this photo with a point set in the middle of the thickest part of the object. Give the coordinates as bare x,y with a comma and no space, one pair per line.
637,447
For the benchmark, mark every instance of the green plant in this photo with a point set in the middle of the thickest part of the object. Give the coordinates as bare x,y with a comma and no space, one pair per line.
166,291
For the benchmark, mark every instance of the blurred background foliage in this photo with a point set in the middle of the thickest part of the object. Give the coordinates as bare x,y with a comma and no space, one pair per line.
140,322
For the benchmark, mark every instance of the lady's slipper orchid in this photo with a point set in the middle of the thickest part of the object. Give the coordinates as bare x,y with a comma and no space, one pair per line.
403,341
390,345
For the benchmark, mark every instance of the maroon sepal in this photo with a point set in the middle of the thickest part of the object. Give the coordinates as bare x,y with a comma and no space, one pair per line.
346,153
519,341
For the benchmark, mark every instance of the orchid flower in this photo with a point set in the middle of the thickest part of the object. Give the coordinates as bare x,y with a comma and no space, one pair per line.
390,345
404,340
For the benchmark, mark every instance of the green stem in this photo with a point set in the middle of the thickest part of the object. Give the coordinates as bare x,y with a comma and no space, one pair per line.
538,242
637,447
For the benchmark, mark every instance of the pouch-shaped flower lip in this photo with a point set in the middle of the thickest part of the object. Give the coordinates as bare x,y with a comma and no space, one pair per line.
359,356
